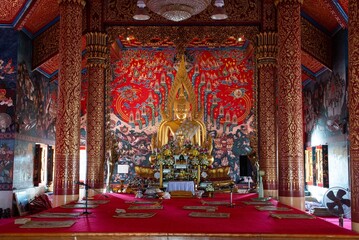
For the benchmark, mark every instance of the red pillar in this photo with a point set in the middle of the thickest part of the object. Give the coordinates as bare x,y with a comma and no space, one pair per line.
267,76
67,152
290,121
266,54
353,88
95,143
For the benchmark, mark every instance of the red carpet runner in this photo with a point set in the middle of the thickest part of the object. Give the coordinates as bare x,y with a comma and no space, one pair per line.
244,219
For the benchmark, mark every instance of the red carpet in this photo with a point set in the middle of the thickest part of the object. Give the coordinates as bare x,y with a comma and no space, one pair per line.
244,219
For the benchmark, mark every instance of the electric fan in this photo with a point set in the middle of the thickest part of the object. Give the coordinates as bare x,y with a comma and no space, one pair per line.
337,200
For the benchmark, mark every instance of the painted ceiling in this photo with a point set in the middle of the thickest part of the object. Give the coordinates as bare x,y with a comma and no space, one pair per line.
35,16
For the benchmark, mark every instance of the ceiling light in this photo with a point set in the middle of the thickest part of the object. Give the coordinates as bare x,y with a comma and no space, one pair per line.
141,13
177,10
219,12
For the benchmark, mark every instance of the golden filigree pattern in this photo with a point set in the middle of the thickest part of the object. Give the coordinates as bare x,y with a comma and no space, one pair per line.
96,127
319,46
288,1
9,9
73,2
269,16
97,54
69,96
290,122
108,105
96,46
334,11
353,88
266,54
266,51
45,45
40,14
95,16
183,34
22,21
267,126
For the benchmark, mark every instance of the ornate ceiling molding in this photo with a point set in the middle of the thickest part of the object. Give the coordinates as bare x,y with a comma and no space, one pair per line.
45,45
182,35
240,12
320,46
276,2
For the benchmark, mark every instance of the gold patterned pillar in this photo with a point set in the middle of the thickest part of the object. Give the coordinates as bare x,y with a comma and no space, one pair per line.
289,117
96,45
353,88
266,54
69,95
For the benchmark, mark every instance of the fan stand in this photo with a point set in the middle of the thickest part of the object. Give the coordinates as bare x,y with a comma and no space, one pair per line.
341,220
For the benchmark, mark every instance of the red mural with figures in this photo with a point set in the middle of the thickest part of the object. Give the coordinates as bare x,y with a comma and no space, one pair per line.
222,79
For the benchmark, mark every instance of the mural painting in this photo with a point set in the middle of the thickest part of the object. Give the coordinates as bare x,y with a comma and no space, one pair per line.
326,106
36,104
8,57
8,54
6,163
23,164
224,83
326,118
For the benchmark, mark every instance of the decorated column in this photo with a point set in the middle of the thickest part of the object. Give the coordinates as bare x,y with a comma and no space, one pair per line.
266,54
353,88
69,95
97,54
289,117
96,45
267,74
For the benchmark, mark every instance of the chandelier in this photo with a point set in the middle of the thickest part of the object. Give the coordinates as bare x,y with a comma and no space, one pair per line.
178,10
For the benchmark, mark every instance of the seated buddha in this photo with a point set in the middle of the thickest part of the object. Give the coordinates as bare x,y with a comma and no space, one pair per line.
182,121
182,128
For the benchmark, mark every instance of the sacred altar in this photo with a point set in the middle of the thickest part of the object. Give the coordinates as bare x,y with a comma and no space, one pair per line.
180,186
181,148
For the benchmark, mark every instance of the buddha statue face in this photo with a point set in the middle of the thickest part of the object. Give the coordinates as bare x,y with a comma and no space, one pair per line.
181,106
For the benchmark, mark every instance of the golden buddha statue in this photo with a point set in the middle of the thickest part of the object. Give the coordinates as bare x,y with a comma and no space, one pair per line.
181,118
182,123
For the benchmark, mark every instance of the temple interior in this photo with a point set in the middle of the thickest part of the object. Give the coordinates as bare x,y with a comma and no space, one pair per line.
180,100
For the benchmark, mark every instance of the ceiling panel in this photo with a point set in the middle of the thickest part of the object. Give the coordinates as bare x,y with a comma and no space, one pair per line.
344,4
10,9
45,12
322,16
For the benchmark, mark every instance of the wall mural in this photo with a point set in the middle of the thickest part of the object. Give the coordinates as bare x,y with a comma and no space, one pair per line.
23,164
8,62
325,106
6,163
8,58
326,118
36,102
224,83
